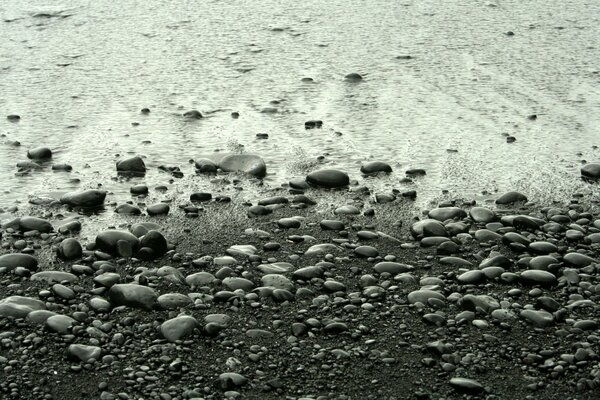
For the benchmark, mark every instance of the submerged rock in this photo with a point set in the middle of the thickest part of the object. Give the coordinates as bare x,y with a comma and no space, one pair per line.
108,241
375,167
245,163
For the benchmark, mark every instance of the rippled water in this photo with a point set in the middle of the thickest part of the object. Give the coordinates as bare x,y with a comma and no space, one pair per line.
79,72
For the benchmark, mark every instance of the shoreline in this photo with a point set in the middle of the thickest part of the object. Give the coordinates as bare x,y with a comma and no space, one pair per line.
379,311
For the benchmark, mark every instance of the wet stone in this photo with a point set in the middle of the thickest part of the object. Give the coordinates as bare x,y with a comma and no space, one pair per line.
328,178
84,353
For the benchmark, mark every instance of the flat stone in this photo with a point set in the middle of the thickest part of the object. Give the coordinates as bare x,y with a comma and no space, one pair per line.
19,306
375,167
53,276
464,385
244,163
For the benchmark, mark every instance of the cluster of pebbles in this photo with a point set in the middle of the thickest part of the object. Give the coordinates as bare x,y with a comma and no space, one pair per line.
282,301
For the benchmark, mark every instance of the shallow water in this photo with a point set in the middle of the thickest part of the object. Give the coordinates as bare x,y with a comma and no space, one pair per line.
79,72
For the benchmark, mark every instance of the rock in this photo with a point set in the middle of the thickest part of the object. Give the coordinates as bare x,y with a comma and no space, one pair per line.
200,279
155,241
35,224
471,277
393,268
62,167
60,323
107,241
482,303
245,163
39,153
277,281
578,259
132,295
128,209
591,171
158,209
235,283
332,225
366,252
321,249
468,386
133,165
200,197
511,197
538,277
140,229
13,118
538,318
178,328
231,380
53,276
80,352
375,167
273,200
444,213
308,273
313,124
328,178
424,296
87,198
241,250
415,172
107,279
192,114
138,190
347,210
353,77
69,249
19,306
428,227
12,261
205,166
288,223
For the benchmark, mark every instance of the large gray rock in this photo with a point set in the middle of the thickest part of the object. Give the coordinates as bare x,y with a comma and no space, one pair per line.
12,261
245,163
511,197
178,328
19,306
132,295
39,153
86,198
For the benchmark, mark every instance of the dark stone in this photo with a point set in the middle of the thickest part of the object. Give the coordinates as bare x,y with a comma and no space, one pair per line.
86,199
35,224
353,77
128,209
12,261
200,197
39,153
375,167
133,165
313,124
158,209
511,197
192,114
155,241
69,249
108,240
591,171
328,178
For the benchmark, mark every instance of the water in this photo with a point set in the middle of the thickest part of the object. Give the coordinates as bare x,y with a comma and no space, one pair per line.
79,72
